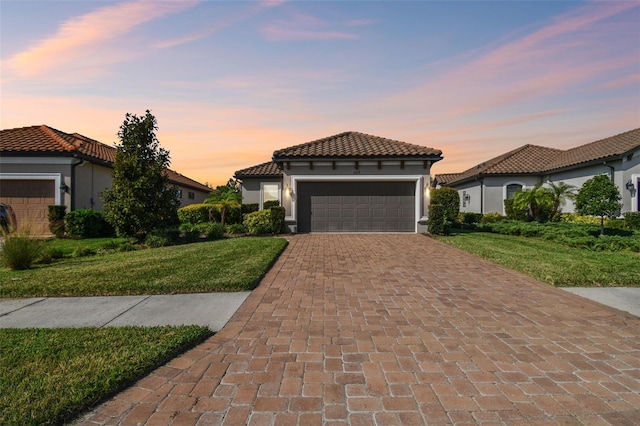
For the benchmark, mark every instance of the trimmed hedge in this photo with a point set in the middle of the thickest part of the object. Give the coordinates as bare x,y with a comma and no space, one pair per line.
436,219
56,220
632,220
86,223
249,208
194,213
271,203
449,199
259,223
277,219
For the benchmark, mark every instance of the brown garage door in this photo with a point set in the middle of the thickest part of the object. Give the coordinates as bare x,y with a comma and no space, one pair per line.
30,200
356,207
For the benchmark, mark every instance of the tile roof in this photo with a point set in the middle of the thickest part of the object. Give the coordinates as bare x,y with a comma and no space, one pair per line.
47,140
445,178
533,159
355,145
599,150
269,169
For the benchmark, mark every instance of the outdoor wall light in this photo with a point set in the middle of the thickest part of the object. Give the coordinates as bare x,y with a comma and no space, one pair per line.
64,188
630,186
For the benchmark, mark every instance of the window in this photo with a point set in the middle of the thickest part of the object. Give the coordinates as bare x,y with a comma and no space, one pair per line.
512,188
192,195
179,194
269,192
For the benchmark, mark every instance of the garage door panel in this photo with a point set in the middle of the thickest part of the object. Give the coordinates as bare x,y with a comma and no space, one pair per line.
30,200
356,207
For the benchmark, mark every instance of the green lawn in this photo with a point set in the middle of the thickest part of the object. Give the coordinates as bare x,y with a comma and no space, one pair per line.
48,376
235,264
550,262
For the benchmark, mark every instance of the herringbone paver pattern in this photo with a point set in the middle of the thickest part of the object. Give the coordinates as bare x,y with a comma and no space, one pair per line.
398,329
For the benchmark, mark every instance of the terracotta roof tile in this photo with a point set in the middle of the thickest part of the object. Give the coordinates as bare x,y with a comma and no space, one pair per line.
44,139
604,148
445,178
532,159
354,145
269,169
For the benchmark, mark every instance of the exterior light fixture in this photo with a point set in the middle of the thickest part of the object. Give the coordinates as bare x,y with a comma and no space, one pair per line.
629,185
64,188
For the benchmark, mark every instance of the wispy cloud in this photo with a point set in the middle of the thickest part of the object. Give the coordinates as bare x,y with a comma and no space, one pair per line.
301,26
251,10
85,34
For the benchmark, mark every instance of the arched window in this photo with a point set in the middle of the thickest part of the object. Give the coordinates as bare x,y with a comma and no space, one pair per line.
512,188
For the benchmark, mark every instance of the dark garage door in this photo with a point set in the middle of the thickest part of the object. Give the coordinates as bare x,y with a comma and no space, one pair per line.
356,207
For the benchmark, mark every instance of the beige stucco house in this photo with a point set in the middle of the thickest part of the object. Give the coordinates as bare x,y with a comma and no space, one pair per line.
42,166
350,182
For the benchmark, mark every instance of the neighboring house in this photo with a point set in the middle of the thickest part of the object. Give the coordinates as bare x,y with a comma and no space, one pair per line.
350,182
484,188
42,166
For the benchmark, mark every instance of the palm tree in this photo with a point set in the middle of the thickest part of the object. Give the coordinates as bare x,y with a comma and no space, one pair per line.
561,193
226,201
536,200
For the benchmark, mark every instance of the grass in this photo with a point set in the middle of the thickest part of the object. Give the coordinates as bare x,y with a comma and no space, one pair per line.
49,376
550,262
67,247
235,264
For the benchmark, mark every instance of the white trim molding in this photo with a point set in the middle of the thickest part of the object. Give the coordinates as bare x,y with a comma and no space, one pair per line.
262,184
634,196
55,177
418,179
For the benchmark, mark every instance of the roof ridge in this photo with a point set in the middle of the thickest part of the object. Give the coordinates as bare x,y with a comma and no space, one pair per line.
52,133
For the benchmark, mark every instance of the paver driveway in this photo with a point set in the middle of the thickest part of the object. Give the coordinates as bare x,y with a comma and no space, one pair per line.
398,329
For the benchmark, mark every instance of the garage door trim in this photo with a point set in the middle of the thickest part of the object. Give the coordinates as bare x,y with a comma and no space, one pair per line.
56,177
418,179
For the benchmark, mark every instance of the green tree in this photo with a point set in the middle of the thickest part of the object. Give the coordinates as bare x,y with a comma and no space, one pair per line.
561,193
140,198
599,196
449,199
227,201
537,200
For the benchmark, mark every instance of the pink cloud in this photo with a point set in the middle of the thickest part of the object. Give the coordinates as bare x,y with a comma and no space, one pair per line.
80,35
301,26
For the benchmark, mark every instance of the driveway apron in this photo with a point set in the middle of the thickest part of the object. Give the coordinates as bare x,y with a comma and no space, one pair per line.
397,329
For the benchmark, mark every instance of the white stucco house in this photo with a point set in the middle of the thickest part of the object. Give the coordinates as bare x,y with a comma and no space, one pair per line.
350,182
42,166
484,188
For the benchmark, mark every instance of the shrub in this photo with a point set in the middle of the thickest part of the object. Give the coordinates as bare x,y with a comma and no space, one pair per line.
83,252
86,223
210,230
56,220
249,208
19,250
492,217
513,213
259,223
195,213
236,229
436,219
50,254
277,219
190,232
155,240
449,199
271,203
632,220
469,217
232,215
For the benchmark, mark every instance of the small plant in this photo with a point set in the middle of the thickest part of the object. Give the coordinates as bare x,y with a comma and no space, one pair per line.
154,240
236,229
259,223
50,254
469,217
56,220
632,220
19,250
210,230
492,217
83,252
249,208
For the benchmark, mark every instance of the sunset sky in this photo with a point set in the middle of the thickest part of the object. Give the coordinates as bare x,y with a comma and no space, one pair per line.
230,82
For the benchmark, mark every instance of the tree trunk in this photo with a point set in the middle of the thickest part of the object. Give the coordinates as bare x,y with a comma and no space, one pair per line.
601,225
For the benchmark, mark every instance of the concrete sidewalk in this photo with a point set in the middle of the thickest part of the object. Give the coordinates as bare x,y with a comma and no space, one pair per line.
209,309
624,298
